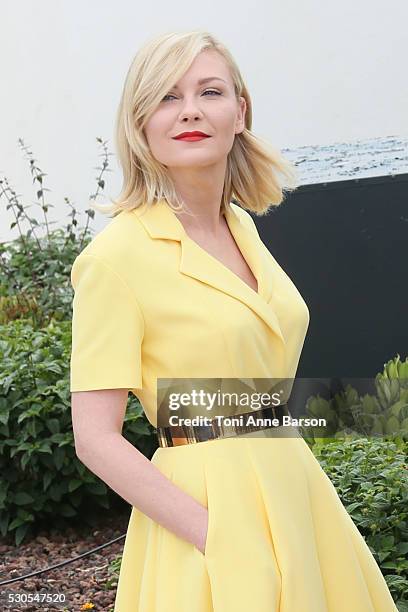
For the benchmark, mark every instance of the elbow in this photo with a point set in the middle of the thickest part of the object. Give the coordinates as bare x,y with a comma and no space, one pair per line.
79,455
88,449
81,449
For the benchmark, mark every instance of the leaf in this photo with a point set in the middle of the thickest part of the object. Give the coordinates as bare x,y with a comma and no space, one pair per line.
16,523
4,521
59,456
53,425
47,478
97,488
74,484
22,498
67,510
20,533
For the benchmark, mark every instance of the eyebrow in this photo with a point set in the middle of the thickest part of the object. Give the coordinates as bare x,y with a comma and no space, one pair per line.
205,80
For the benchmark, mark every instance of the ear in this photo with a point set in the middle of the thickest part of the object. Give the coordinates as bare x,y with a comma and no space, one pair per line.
240,122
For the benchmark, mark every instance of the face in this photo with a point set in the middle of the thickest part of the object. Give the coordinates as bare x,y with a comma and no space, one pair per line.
210,107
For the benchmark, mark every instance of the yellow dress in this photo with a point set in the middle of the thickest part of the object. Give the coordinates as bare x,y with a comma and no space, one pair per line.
150,303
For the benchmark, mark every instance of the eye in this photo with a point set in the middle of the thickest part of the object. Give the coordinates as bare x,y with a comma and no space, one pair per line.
206,91
213,91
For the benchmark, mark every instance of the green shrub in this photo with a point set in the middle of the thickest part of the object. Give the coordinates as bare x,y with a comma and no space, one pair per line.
371,478
35,267
42,480
364,452
382,414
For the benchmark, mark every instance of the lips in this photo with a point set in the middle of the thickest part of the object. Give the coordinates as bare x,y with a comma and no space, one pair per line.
191,136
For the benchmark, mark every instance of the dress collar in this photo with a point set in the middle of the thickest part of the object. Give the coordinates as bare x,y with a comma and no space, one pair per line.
161,223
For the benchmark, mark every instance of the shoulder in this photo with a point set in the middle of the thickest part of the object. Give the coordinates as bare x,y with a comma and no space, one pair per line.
121,238
117,248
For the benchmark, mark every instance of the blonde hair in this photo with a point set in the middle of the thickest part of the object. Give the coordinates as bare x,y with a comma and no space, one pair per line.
257,175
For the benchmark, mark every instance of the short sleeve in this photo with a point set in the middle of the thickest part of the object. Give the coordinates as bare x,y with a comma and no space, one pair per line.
107,329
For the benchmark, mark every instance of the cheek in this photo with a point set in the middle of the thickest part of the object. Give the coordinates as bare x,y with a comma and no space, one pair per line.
156,127
151,132
224,121
225,128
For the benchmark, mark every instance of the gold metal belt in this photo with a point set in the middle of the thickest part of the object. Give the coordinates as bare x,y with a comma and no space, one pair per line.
176,435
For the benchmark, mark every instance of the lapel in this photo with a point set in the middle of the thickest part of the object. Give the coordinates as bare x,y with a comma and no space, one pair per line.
161,223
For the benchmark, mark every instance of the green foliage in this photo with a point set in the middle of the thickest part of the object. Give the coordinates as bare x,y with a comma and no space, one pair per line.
363,450
114,571
384,414
42,480
35,269
371,478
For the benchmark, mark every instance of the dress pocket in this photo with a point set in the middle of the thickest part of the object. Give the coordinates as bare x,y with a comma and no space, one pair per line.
208,539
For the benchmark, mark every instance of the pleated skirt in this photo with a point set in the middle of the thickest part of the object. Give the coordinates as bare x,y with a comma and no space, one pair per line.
279,538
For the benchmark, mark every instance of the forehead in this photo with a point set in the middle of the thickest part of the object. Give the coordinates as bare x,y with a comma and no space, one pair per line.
208,66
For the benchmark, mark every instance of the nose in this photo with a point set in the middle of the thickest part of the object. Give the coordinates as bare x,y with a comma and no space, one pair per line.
190,110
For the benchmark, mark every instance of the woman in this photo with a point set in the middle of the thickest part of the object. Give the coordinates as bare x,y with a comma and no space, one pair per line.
180,286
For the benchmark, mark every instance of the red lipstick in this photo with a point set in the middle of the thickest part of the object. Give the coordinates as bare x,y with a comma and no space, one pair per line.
191,136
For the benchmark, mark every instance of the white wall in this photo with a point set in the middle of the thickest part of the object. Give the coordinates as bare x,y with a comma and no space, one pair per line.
318,72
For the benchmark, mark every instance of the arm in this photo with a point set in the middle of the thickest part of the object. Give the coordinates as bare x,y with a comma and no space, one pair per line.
97,418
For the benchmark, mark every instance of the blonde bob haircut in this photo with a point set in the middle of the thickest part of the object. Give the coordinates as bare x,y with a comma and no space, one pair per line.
257,175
